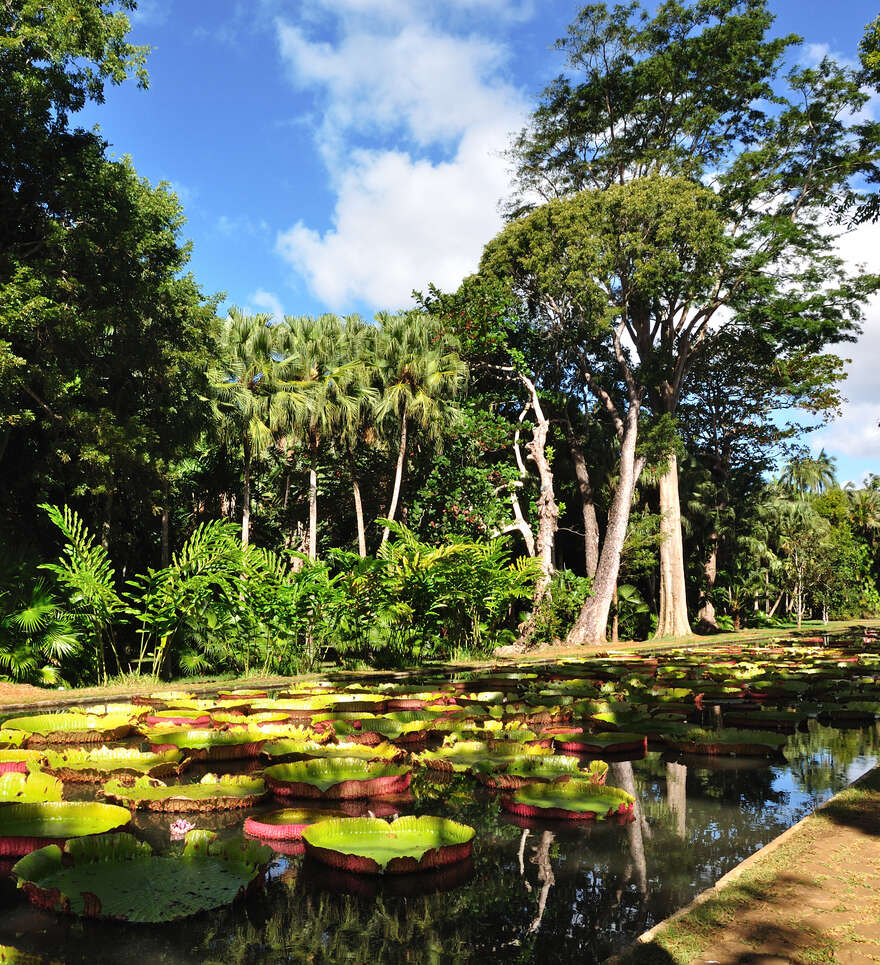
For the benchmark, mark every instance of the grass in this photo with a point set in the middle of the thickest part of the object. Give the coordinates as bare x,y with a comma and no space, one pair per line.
127,684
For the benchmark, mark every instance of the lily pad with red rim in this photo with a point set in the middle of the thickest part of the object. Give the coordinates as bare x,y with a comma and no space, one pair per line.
119,878
336,778
70,728
286,824
213,793
24,827
569,800
373,846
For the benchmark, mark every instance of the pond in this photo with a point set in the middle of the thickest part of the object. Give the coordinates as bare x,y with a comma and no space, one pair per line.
534,890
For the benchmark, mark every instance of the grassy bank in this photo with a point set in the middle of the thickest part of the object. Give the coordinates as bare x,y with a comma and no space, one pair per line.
811,896
13,696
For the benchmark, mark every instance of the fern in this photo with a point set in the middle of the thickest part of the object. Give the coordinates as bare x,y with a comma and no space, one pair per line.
85,575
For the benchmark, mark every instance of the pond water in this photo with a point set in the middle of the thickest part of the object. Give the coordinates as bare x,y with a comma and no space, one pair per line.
534,891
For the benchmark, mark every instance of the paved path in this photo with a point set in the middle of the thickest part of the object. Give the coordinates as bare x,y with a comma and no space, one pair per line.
812,897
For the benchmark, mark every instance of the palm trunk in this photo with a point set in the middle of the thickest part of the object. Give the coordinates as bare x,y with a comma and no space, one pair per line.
398,478
673,620
313,501
592,622
246,495
359,515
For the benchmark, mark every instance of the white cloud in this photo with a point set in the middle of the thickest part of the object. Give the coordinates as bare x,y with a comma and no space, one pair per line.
264,301
230,225
856,433
422,210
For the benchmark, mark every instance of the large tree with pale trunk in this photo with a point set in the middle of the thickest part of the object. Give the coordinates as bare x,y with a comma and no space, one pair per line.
694,91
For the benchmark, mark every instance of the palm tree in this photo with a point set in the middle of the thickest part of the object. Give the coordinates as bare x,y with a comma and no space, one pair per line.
420,374
359,339
244,392
332,390
864,511
806,475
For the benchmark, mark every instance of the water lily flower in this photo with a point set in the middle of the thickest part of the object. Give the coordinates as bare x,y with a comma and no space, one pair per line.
179,829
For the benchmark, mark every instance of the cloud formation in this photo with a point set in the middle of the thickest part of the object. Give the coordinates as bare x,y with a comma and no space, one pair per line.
419,211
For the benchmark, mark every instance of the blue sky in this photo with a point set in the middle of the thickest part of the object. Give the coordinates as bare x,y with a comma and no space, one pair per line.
335,154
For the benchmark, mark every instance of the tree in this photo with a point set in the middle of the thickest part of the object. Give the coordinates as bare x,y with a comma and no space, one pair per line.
691,92
806,475
103,337
420,373
324,358
590,270
245,396
732,385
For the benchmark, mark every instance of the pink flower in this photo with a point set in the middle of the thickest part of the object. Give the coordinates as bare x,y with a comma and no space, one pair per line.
179,829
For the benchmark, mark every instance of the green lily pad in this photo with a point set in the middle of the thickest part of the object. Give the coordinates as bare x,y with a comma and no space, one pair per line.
372,845
531,768
11,738
94,765
464,755
336,777
24,827
212,793
70,728
569,800
35,787
289,748
120,878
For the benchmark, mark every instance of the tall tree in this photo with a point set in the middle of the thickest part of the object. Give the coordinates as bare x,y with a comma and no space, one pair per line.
420,374
692,91
331,391
245,395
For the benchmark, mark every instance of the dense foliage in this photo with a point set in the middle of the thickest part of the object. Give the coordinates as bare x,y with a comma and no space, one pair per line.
600,433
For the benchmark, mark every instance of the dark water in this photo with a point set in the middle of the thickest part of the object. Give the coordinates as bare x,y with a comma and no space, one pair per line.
535,891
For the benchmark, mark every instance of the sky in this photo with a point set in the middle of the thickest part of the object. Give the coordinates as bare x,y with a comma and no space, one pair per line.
334,155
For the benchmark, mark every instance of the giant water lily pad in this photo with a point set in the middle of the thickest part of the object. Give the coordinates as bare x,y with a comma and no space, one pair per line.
120,878
464,755
18,760
286,824
616,742
92,766
746,743
572,800
308,749
531,769
70,728
24,827
371,846
209,745
336,778
212,793
34,787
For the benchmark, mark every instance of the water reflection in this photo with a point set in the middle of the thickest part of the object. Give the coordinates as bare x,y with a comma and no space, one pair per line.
535,890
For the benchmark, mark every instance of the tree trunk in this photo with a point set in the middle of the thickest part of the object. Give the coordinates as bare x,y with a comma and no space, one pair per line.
615,618
313,501
676,796
588,507
398,477
359,514
673,620
592,622
166,547
246,495
108,513
548,510
706,613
